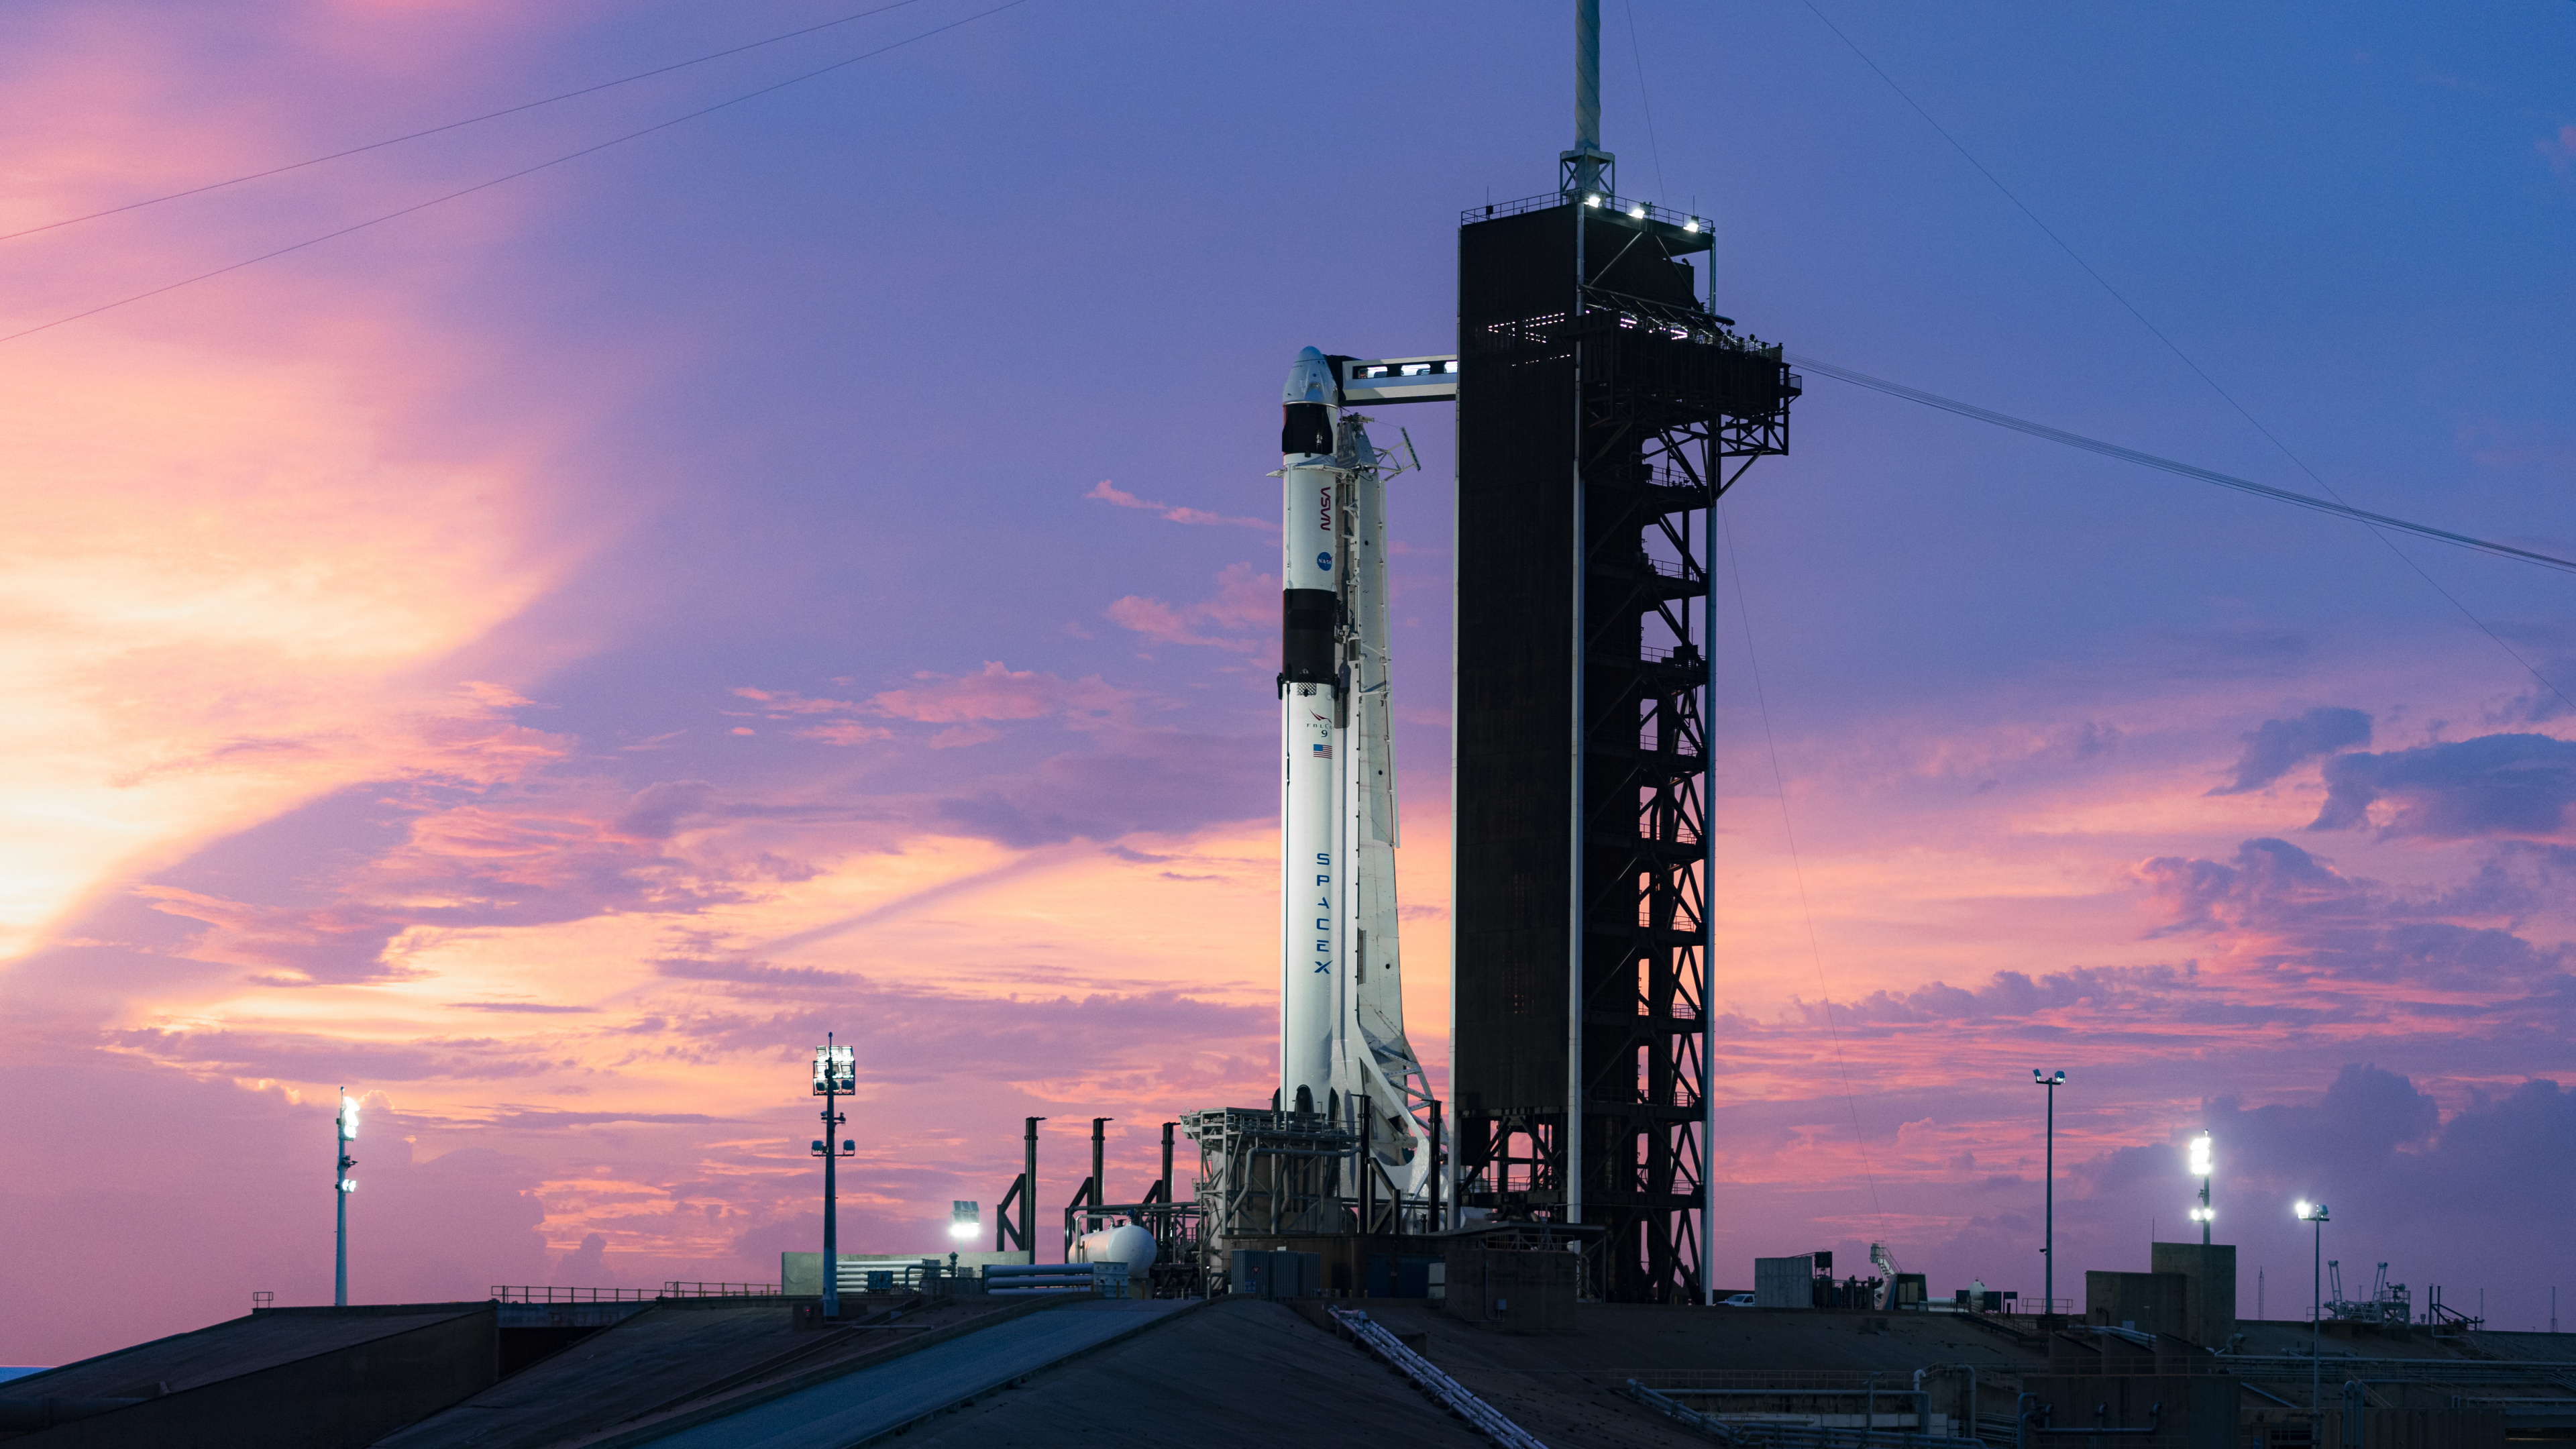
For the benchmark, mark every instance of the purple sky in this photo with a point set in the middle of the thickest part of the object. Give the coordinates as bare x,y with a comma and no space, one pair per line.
542,660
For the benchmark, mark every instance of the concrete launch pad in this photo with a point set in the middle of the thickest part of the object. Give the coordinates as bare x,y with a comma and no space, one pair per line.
1074,1369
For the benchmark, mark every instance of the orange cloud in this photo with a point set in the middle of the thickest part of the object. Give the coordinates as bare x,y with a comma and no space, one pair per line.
205,629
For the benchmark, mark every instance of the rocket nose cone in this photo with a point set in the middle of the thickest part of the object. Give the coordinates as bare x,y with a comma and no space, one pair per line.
1310,378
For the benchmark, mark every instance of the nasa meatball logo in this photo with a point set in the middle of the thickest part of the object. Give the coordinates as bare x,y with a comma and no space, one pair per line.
1324,561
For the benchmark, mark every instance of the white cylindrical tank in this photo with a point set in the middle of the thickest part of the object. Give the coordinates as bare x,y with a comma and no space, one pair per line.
1126,1243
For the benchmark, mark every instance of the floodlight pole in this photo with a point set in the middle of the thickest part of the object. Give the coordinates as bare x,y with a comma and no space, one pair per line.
343,1131
2048,1180
2317,1220
827,1084
831,1195
2201,1159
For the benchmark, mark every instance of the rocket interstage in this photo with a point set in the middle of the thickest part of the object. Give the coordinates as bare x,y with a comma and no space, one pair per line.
1341,1003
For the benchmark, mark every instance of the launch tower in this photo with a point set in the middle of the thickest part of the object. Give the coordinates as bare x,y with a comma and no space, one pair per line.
1603,407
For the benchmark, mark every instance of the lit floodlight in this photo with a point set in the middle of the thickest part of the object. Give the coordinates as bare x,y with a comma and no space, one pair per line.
348,1184
2312,1212
2204,1215
2200,1164
1691,225
348,1119
1594,200
836,1071
965,1218
1639,212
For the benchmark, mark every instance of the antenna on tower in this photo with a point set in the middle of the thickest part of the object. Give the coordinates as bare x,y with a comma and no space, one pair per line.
1587,170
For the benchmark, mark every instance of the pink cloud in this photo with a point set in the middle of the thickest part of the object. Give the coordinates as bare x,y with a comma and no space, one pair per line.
538,854
1244,600
997,693
1107,492
843,733
969,703
2559,149
783,704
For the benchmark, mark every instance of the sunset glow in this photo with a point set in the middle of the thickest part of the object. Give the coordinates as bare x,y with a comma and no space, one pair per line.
543,661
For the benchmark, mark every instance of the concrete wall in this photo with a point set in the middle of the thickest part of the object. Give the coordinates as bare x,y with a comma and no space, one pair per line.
2414,1429
2187,1259
2198,1410
1532,1292
2148,1302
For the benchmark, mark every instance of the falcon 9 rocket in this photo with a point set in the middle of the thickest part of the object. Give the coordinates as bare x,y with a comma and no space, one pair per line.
1341,987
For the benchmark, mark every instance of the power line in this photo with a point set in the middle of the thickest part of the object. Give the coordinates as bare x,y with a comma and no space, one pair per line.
2366,520
2169,465
498,180
453,125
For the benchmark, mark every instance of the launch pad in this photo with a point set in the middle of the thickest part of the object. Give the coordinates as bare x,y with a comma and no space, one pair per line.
1604,407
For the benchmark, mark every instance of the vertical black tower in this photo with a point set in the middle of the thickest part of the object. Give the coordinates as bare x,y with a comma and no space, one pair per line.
1600,407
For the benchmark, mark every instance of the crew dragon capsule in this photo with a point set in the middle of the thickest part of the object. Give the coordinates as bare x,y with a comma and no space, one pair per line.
1341,986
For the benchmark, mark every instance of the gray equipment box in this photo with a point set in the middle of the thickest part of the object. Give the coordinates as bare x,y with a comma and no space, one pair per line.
1785,1282
1258,1273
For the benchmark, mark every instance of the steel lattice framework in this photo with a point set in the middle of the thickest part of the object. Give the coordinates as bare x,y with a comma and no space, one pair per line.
1609,423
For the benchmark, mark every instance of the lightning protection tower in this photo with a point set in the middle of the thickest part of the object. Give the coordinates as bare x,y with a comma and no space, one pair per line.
1603,407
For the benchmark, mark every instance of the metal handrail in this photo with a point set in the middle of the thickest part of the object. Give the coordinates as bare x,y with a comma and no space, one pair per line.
671,1288
1427,1377
1625,206
1777,1435
544,1293
1786,1381
2421,1370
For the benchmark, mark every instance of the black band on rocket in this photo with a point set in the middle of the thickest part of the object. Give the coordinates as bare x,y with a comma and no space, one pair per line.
1308,617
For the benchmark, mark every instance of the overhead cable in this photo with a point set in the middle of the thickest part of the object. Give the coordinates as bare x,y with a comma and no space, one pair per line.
2169,465
2196,369
455,125
498,180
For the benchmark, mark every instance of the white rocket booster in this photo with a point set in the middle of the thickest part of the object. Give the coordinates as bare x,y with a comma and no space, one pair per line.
1341,1002
1310,705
